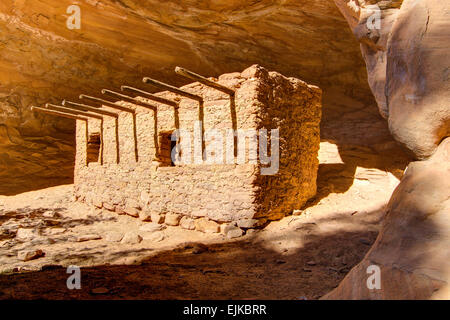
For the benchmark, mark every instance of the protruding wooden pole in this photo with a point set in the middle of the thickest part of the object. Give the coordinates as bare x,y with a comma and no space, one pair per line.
72,111
107,103
191,75
129,99
85,114
84,107
151,96
119,107
58,113
70,116
168,87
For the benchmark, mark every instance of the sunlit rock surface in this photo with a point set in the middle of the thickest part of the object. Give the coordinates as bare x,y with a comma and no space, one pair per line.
408,66
412,248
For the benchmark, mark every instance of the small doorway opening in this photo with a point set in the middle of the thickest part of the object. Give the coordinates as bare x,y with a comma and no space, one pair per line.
93,147
166,145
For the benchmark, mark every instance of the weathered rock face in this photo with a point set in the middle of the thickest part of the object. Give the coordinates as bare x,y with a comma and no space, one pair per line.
119,42
412,249
373,39
407,61
408,66
418,86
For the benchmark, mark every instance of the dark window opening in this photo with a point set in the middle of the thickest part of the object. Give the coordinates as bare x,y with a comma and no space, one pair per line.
93,147
166,145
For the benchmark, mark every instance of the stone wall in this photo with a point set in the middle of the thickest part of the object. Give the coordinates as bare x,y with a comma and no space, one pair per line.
237,192
295,108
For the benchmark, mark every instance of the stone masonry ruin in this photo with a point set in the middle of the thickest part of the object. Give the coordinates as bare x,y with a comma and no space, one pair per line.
123,156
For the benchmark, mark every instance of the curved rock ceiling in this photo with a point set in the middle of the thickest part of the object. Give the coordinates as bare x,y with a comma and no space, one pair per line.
119,42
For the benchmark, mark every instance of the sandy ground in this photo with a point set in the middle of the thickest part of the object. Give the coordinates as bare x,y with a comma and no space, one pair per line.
302,256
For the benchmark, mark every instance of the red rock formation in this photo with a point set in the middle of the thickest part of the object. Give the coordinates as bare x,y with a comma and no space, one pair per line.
412,249
408,67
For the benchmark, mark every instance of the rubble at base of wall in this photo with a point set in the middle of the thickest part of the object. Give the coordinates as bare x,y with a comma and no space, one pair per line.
231,230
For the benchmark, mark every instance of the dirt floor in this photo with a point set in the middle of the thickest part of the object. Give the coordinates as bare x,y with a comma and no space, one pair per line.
303,256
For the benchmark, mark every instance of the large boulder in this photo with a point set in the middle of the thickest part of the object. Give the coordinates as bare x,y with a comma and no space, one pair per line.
408,66
373,37
412,248
417,73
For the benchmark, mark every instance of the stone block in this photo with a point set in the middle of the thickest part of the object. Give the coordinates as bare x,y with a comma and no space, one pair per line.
172,219
151,227
88,237
145,215
225,227
153,236
109,206
131,211
27,255
187,223
131,238
157,217
234,233
27,233
114,236
249,223
207,226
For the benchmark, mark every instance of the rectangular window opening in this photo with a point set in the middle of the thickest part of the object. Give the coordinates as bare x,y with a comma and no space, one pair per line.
166,146
93,149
